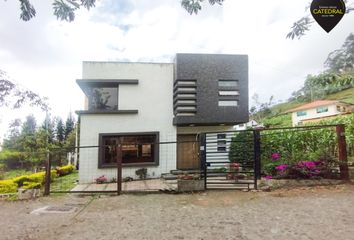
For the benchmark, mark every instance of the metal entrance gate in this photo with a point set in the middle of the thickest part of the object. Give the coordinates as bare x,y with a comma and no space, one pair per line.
230,160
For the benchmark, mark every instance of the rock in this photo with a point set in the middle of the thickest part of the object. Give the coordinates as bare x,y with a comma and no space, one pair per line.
266,188
24,194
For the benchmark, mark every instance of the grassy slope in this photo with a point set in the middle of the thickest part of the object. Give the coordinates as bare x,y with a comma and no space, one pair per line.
284,120
344,96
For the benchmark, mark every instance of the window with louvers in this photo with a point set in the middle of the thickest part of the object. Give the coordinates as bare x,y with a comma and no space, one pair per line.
184,98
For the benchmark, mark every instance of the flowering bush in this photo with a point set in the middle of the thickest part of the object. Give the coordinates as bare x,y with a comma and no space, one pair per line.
268,177
101,179
299,169
275,156
310,169
282,167
235,167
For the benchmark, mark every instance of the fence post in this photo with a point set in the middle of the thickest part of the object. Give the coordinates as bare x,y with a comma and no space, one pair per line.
119,167
342,152
202,155
257,154
47,180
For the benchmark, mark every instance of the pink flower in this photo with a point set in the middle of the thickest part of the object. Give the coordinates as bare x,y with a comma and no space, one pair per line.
268,177
275,156
281,167
307,164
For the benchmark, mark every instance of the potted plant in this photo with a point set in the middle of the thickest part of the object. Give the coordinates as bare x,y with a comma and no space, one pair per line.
101,179
234,170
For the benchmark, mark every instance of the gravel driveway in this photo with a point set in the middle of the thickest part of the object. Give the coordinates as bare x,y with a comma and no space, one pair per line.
306,213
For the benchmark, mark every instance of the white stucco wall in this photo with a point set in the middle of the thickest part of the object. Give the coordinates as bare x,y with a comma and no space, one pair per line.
152,97
312,114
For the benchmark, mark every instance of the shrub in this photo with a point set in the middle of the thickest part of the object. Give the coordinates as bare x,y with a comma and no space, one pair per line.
7,186
241,148
142,173
20,180
38,177
65,170
101,179
31,185
269,168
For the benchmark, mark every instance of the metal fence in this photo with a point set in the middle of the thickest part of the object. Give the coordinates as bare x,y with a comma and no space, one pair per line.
230,159
117,175
221,160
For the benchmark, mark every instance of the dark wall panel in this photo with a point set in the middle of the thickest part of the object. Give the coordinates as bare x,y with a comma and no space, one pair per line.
207,69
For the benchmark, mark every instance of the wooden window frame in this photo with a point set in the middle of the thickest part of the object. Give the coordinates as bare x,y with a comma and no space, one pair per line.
101,164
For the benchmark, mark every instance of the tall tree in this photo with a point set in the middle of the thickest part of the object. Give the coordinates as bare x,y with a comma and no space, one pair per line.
14,132
29,126
60,131
342,60
69,125
48,126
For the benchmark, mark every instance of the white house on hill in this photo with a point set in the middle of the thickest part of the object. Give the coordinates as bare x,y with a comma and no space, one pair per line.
319,110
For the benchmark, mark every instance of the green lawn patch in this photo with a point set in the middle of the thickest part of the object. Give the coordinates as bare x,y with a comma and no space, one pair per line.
65,183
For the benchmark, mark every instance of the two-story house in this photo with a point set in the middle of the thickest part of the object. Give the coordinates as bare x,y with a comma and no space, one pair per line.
318,110
142,104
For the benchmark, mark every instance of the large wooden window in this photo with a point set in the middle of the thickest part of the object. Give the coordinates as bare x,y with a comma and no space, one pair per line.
138,149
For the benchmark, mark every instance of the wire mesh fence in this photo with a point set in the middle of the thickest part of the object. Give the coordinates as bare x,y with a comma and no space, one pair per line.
303,153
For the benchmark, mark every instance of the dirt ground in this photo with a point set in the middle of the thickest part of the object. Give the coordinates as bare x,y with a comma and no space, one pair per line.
303,213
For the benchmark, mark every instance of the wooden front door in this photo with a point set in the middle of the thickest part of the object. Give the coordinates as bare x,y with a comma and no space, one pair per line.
188,152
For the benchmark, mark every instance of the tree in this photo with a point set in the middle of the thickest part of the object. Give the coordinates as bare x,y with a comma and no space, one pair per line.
301,26
14,132
12,95
29,126
60,131
194,6
342,60
63,9
47,127
260,110
69,126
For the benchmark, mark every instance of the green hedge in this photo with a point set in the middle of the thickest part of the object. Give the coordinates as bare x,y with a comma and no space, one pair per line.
65,170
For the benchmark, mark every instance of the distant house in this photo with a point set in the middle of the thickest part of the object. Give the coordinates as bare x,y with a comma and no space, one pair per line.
319,110
250,124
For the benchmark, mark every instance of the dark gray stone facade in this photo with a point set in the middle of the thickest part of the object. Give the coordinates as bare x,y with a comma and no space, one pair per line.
206,70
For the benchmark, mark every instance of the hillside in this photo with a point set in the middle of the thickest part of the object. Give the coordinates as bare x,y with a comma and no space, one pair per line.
280,119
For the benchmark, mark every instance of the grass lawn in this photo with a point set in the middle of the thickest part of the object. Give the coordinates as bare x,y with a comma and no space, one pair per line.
65,183
345,96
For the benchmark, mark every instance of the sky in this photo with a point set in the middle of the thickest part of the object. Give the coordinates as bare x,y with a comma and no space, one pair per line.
45,54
